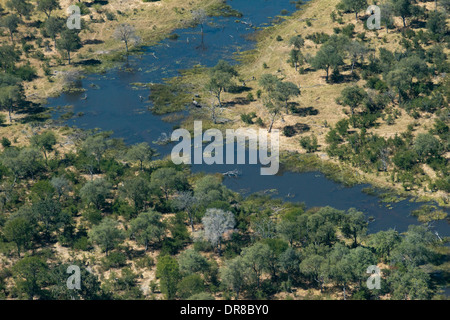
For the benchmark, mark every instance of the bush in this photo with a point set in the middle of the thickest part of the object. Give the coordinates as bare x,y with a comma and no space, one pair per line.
81,244
248,118
309,143
114,260
289,131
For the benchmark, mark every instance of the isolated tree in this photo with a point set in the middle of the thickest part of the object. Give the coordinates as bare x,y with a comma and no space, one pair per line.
216,222
20,231
22,7
221,79
10,97
126,33
295,55
327,57
147,228
69,42
95,192
277,95
356,52
107,235
295,58
53,27
10,22
353,97
44,142
355,6
47,6
297,41
168,272
271,100
285,91
140,152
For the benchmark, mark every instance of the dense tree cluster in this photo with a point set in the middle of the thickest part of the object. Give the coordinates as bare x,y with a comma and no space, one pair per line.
122,207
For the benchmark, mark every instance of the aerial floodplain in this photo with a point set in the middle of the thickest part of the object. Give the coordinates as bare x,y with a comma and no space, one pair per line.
217,159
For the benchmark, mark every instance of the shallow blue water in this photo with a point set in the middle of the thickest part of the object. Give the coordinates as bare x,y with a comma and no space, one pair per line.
116,106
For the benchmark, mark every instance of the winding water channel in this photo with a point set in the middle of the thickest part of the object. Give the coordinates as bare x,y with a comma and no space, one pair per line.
113,104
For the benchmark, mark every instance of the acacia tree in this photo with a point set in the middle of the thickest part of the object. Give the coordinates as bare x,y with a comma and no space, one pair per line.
356,52
10,96
233,274
45,142
106,235
47,6
95,192
192,261
327,57
167,180
53,27
136,189
69,42
277,95
10,22
140,152
216,222
220,79
22,7
354,6
353,97
20,231
147,227
404,9
187,201
167,270
354,225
